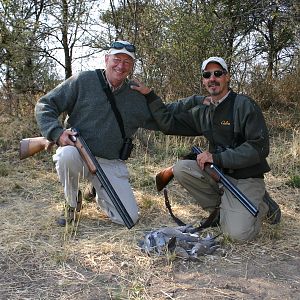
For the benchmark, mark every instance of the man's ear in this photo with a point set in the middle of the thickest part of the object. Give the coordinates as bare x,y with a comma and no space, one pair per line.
227,76
132,69
228,79
106,58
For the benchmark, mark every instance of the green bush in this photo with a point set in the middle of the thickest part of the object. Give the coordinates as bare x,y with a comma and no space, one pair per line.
294,181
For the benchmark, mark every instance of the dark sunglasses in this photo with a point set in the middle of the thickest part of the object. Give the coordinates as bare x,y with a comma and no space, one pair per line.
217,73
118,45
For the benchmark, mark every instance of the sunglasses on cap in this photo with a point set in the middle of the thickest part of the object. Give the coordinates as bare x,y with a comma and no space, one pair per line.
119,45
218,73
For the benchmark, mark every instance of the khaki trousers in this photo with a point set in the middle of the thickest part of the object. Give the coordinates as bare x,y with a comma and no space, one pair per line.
235,220
71,168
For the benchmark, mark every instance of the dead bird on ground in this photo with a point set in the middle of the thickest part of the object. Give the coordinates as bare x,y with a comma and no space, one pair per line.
178,240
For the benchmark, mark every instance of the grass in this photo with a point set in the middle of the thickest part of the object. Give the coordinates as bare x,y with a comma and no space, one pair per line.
103,260
3,170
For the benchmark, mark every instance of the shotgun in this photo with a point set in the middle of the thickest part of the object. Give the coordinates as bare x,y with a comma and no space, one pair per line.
166,175
30,146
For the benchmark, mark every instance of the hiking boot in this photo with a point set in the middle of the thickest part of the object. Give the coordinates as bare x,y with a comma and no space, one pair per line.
89,193
274,212
70,215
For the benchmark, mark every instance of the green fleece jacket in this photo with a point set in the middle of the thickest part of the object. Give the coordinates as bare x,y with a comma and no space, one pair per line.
89,111
236,131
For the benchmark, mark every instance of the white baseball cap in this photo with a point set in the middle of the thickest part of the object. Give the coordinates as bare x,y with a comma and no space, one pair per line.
122,47
215,59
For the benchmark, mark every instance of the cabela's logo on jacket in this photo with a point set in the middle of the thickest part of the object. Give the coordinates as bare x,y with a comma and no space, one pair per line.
225,123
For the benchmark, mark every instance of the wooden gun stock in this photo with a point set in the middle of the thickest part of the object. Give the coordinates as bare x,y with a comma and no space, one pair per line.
31,146
166,175
85,156
163,178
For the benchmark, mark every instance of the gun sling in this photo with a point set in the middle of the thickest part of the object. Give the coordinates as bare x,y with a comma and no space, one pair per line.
214,215
111,99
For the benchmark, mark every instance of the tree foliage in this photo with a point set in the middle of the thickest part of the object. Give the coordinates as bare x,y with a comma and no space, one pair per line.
20,62
259,39
173,37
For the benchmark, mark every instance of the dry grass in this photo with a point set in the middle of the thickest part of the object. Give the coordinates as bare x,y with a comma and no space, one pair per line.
103,260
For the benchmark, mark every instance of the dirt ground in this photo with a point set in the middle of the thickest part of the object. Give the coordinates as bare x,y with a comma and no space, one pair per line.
39,260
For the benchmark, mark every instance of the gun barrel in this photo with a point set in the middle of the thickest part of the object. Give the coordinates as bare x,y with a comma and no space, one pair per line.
236,192
231,187
107,185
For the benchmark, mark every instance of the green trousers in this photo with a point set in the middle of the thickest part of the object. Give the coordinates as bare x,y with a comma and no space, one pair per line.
235,219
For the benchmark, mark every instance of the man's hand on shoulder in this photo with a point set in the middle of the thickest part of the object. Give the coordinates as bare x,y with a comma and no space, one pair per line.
139,86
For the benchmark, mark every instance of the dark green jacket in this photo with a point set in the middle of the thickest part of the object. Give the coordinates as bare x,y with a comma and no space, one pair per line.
236,131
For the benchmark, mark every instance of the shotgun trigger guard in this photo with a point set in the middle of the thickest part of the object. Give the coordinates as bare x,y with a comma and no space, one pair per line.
73,138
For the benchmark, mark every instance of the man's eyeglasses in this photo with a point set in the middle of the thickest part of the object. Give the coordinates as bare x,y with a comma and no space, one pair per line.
217,74
118,45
